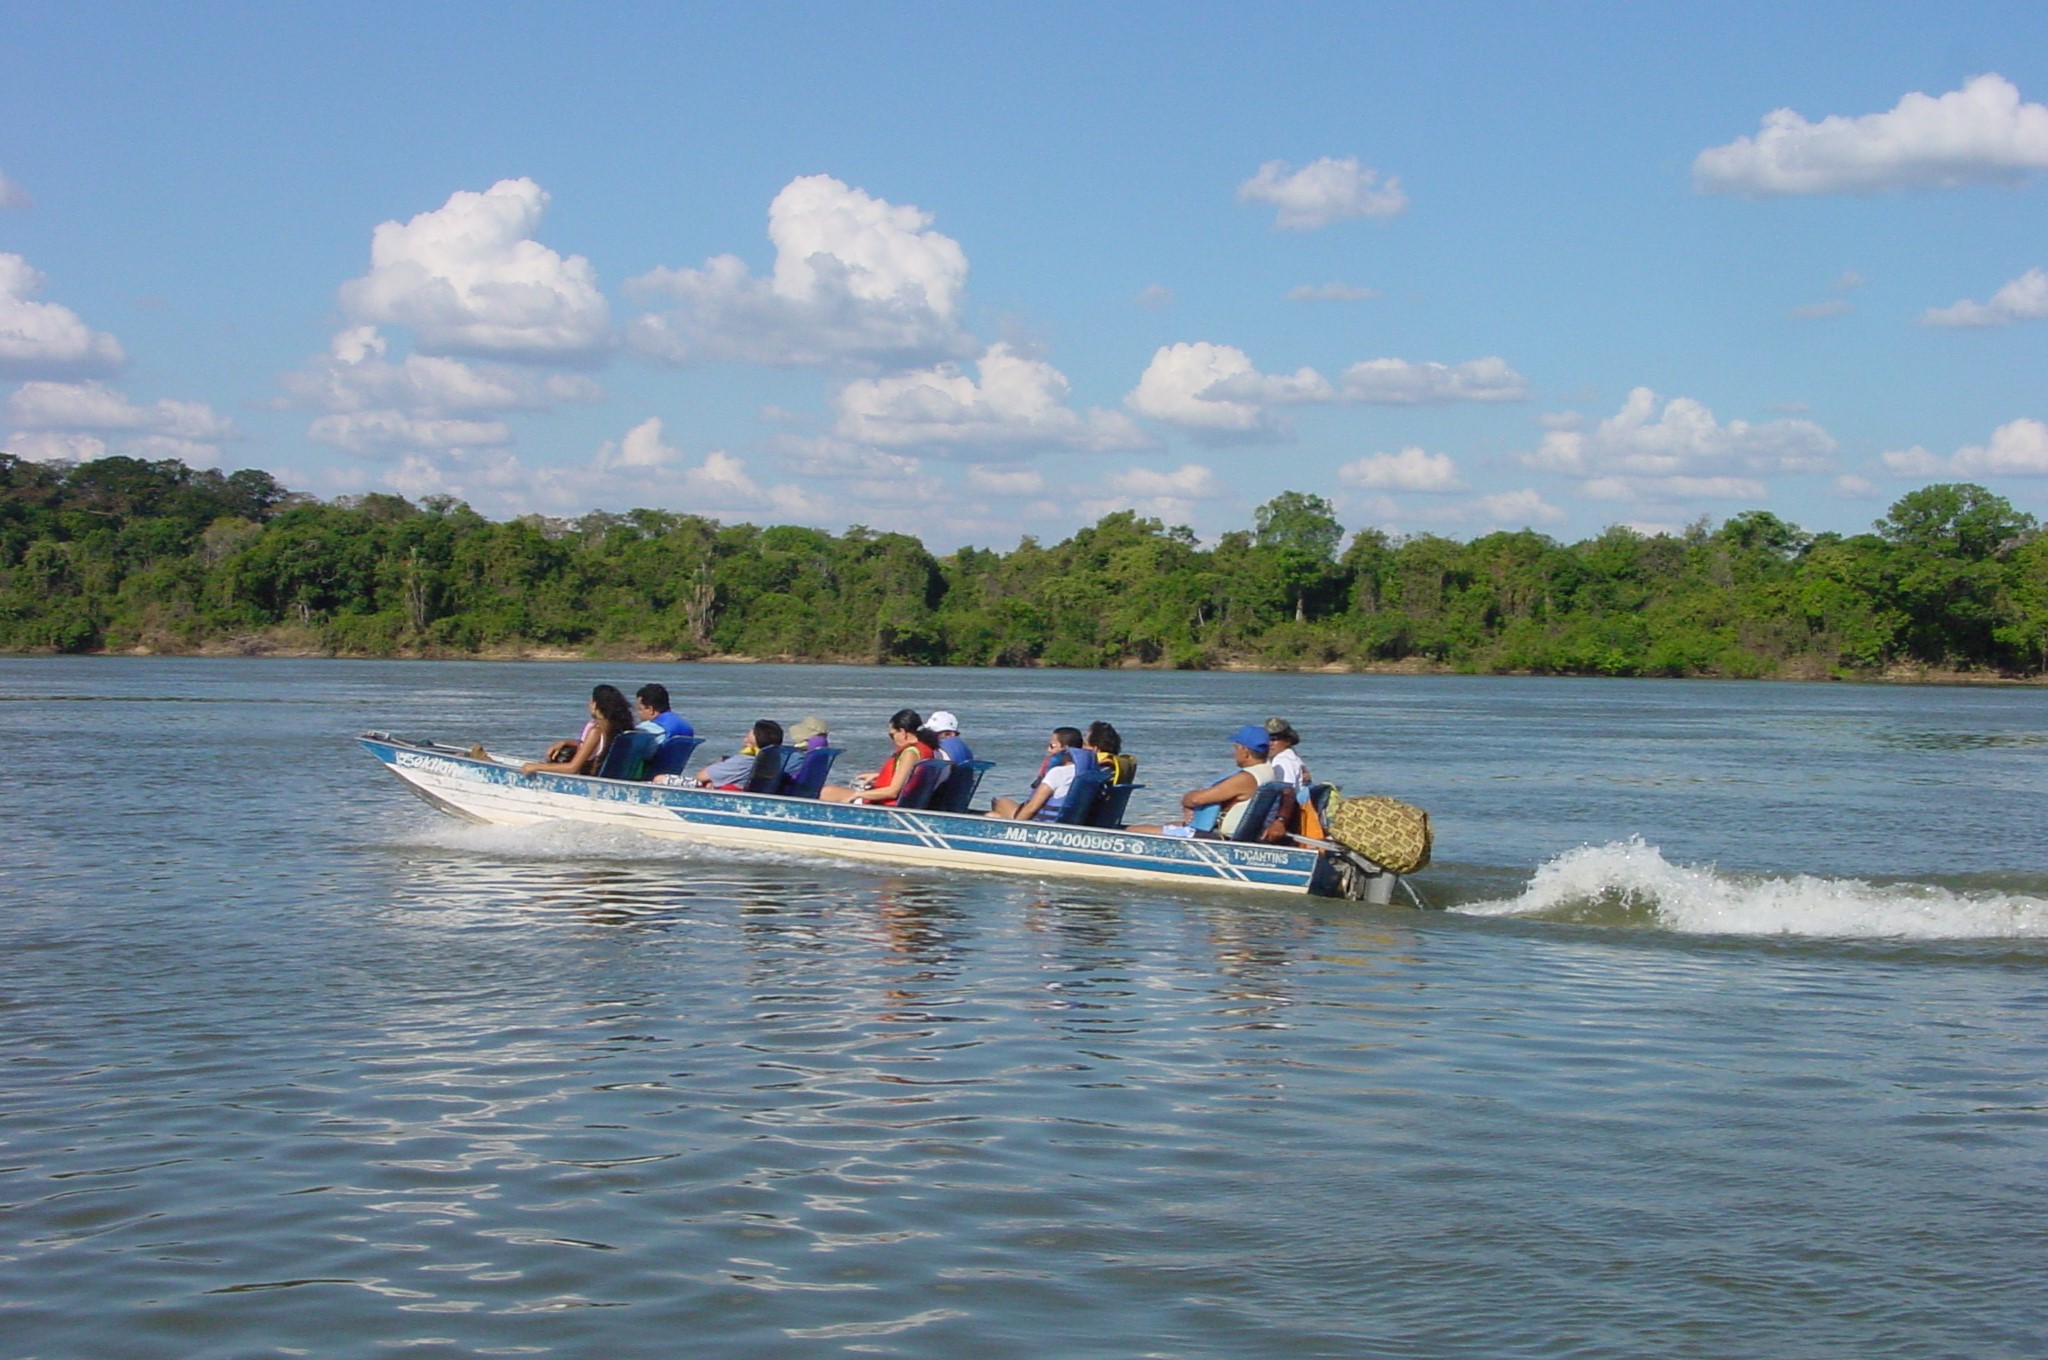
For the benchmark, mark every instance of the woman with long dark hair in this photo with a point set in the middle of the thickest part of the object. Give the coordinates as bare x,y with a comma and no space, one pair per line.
907,746
610,718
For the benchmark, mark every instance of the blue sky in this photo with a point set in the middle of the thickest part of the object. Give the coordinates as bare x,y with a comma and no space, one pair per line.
979,272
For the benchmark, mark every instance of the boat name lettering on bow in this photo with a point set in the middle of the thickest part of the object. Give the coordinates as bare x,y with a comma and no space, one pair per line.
433,765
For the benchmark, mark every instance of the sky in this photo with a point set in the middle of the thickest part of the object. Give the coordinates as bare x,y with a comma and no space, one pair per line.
976,272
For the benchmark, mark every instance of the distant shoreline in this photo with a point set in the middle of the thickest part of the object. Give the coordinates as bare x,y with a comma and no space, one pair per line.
250,648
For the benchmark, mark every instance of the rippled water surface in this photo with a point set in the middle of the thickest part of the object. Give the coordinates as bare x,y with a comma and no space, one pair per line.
1732,1040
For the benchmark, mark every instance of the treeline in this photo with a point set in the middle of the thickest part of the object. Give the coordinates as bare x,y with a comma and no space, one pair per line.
121,554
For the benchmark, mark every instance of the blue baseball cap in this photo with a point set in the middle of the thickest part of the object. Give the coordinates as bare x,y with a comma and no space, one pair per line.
1252,737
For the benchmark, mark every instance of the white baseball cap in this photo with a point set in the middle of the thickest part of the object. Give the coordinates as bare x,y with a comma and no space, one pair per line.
942,721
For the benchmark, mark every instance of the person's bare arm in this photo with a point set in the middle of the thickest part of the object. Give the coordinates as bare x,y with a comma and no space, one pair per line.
1239,785
583,756
1040,796
898,777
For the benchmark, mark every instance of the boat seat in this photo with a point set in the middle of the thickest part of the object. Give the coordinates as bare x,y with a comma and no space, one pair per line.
673,756
767,775
1082,795
1111,806
805,774
924,781
957,793
1260,809
627,758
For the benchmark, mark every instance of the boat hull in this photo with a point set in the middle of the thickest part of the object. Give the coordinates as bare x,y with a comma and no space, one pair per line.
492,791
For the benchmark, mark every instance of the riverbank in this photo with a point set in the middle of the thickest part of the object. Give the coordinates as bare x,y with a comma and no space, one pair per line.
291,644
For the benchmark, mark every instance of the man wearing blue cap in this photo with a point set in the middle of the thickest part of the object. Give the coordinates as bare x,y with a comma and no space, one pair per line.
1228,795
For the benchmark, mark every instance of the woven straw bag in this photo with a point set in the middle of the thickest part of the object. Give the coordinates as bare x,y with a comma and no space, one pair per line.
1390,833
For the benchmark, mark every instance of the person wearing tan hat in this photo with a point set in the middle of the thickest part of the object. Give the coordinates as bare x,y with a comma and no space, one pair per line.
809,733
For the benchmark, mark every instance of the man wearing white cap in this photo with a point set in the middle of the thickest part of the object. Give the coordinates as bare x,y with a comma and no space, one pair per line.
946,728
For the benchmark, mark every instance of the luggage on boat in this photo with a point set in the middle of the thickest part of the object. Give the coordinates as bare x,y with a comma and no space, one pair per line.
1390,833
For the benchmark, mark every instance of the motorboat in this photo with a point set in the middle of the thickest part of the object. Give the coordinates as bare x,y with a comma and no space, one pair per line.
782,813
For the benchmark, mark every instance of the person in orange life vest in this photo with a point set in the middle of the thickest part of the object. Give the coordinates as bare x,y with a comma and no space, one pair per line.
908,744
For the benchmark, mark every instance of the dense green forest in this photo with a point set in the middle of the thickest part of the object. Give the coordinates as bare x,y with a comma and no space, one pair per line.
120,554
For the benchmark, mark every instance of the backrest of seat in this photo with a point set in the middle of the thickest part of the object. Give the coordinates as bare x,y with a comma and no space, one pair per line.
807,772
627,757
1079,804
767,775
1259,811
1110,808
924,780
957,793
673,756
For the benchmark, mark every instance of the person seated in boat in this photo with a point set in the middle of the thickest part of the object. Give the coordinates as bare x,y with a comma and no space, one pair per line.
809,734
732,773
907,745
1286,761
1108,746
946,728
1249,746
610,718
1065,755
651,706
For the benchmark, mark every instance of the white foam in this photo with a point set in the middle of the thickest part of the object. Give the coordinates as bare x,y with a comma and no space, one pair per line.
1633,881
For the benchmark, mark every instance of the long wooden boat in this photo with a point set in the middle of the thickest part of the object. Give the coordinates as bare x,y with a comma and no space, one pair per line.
492,790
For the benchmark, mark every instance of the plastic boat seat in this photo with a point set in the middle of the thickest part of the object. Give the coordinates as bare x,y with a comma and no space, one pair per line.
807,771
1110,807
673,756
767,775
1259,810
628,756
957,793
924,781
1082,796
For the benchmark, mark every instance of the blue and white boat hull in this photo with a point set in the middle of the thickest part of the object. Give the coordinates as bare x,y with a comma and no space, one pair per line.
493,791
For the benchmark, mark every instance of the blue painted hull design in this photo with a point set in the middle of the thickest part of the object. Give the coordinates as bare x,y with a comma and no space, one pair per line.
489,790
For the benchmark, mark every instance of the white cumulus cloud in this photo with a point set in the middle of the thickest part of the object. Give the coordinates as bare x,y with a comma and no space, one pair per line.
384,433
356,375
1215,391
425,403
2023,299
43,339
1412,469
856,280
1978,134
469,278
1325,190
1172,495
1679,451
1400,382
1517,509
2018,448
1016,403
83,421
54,446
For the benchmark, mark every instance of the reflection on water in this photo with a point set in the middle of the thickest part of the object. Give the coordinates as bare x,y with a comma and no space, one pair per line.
291,1059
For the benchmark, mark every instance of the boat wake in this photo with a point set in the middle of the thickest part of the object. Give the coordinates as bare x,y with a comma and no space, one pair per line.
573,843
1631,883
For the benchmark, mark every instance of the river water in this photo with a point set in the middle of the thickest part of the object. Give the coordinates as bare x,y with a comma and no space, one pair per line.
1730,1036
